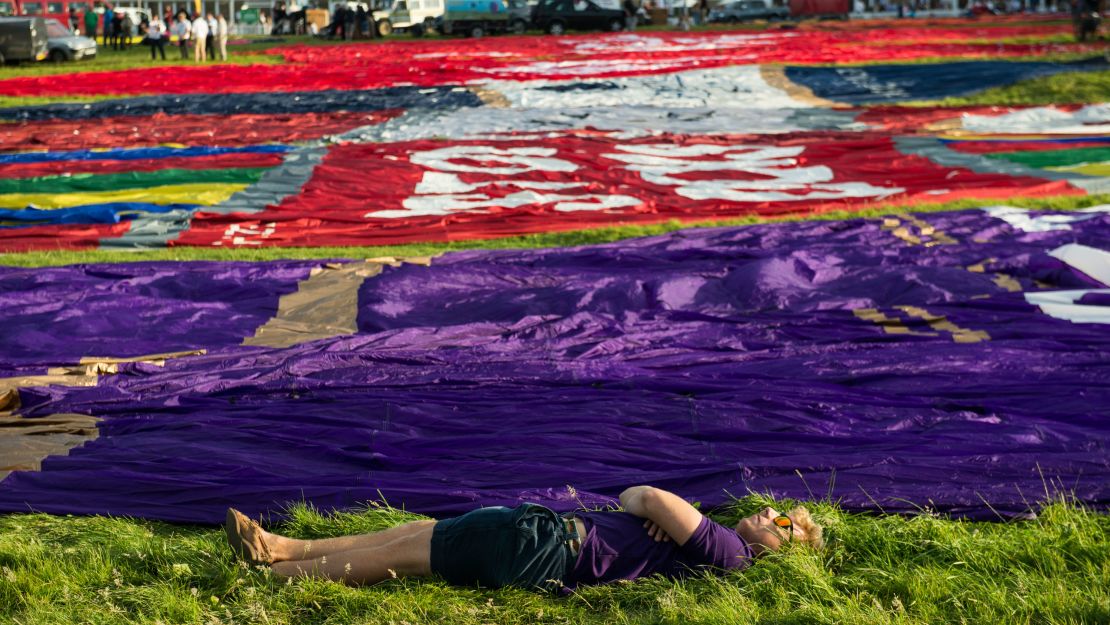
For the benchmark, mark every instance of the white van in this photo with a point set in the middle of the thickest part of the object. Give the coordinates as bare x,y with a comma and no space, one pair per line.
417,15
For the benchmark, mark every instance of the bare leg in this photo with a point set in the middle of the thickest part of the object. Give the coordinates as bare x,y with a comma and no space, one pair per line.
409,554
292,549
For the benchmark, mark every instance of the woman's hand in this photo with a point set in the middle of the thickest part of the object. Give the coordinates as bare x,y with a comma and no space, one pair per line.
656,532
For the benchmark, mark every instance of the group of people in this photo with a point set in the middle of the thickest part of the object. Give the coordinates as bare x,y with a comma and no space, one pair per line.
118,27
205,34
347,23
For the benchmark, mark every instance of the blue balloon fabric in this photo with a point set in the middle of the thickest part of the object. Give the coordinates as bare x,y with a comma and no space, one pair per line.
872,84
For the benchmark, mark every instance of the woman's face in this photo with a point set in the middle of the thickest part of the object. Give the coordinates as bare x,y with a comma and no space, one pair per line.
760,531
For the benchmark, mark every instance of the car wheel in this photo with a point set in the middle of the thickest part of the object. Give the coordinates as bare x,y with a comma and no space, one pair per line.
476,32
385,29
518,27
58,56
556,28
616,25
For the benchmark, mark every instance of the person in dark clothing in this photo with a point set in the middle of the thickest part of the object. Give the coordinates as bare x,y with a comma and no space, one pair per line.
279,18
338,18
123,31
630,10
106,29
1085,17
350,23
362,22
532,547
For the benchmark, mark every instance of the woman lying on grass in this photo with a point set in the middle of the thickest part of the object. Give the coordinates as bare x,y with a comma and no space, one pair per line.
533,547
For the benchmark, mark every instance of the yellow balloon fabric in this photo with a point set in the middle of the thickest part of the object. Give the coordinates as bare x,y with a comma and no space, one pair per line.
201,193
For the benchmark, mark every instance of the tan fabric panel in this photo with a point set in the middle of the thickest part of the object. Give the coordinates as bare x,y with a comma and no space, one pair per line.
324,305
775,76
154,359
56,377
25,443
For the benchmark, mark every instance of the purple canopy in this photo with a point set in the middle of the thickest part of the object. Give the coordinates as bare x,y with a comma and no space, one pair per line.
916,358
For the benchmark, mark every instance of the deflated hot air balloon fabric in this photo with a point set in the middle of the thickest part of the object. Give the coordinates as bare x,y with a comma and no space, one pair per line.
455,140
950,361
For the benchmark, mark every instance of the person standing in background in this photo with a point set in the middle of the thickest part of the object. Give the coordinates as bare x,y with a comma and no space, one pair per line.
629,15
156,36
200,38
123,30
221,36
106,29
181,29
210,41
91,20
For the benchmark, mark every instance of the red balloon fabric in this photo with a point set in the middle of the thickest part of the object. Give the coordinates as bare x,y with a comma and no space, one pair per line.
366,194
59,237
453,61
222,130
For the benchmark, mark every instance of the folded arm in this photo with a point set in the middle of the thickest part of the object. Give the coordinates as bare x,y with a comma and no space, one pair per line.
666,510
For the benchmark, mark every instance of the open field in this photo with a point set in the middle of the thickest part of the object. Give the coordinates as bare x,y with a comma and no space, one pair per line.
716,261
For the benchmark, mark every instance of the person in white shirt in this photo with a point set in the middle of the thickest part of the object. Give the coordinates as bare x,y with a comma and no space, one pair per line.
156,37
200,37
182,29
221,36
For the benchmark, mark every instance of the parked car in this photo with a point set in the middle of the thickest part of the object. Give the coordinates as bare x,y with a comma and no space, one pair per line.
64,45
22,39
746,10
559,16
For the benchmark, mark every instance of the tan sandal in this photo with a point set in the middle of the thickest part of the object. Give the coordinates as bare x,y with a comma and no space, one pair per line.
244,536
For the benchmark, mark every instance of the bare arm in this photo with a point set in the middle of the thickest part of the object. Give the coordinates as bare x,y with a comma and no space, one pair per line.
667,510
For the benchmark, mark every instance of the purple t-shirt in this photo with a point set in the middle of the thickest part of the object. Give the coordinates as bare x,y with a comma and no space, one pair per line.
616,546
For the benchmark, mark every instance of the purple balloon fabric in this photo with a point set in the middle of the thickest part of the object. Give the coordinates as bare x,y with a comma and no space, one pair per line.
708,361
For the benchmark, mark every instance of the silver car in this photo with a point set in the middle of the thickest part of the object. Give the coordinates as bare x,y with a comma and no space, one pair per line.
63,45
746,10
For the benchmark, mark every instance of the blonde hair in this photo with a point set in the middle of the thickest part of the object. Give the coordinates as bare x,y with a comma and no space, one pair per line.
810,532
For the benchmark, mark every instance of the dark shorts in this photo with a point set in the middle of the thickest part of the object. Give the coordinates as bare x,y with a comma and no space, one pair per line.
495,547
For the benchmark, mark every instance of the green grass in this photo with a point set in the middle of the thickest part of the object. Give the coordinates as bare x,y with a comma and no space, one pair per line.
138,56
881,569
556,239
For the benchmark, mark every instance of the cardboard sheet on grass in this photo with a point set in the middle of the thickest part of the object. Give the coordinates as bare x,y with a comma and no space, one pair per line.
954,361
